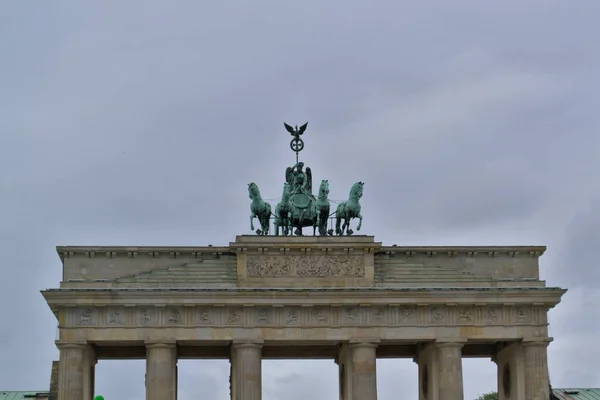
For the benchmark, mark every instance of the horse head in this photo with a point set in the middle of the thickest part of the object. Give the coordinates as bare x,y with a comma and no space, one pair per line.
286,191
324,188
357,190
253,191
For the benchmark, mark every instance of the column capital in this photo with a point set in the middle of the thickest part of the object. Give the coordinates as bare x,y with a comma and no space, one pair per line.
454,342
534,341
247,344
73,344
155,344
371,343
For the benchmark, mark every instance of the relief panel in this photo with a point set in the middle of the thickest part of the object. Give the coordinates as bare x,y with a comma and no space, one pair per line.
115,316
312,266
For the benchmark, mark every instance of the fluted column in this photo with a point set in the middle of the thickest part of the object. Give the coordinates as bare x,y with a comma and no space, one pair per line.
364,371
449,358
161,371
75,368
537,384
247,371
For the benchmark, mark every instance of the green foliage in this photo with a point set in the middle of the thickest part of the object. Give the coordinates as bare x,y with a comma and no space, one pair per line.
488,396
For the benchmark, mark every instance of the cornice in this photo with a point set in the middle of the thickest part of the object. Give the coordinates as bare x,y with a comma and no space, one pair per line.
469,251
548,297
134,251
302,242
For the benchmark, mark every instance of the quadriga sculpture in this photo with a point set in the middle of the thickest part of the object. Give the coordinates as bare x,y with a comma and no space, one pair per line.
298,207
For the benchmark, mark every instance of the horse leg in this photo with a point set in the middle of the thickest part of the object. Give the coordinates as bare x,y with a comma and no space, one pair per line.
317,222
251,222
359,223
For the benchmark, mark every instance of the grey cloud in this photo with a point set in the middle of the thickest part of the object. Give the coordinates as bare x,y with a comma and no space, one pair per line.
142,124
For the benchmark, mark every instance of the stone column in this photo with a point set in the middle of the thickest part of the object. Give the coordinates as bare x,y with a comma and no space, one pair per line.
537,384
75,369
161,371
344,361
364,371
247,370
449,359
428,373
511,375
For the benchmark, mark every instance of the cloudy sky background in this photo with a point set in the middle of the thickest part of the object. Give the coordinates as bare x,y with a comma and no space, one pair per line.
140,123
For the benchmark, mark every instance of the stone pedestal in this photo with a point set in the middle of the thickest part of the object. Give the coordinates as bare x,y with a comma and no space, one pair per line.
76,370
364,373
246,372
161,371
537,384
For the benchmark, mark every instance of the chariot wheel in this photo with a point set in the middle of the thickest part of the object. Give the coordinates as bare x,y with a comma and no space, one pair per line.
297,144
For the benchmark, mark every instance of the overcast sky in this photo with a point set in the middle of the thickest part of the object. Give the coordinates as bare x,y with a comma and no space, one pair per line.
141,123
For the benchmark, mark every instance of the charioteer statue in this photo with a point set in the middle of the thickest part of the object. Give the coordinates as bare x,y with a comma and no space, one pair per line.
298,207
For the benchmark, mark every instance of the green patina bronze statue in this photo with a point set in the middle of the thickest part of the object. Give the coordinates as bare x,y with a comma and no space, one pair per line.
349,210
298,207
283,212
259,209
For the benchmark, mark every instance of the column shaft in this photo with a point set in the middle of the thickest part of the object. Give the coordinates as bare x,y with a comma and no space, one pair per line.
72,369
76,370
537,384
364,371
161,371
450,375
247,371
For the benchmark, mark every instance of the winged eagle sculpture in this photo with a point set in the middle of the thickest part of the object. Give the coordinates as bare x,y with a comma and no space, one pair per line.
296,132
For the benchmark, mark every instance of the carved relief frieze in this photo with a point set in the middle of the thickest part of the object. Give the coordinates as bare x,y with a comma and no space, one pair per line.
174,316
115,316
291,316
234,316
378,315
492,315
308,315
350,315
305,266
263,316
146,316
522,314
465,315
320,315
407,314
85,317
437,315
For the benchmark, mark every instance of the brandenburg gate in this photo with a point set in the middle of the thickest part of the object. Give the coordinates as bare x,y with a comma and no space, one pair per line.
329,294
